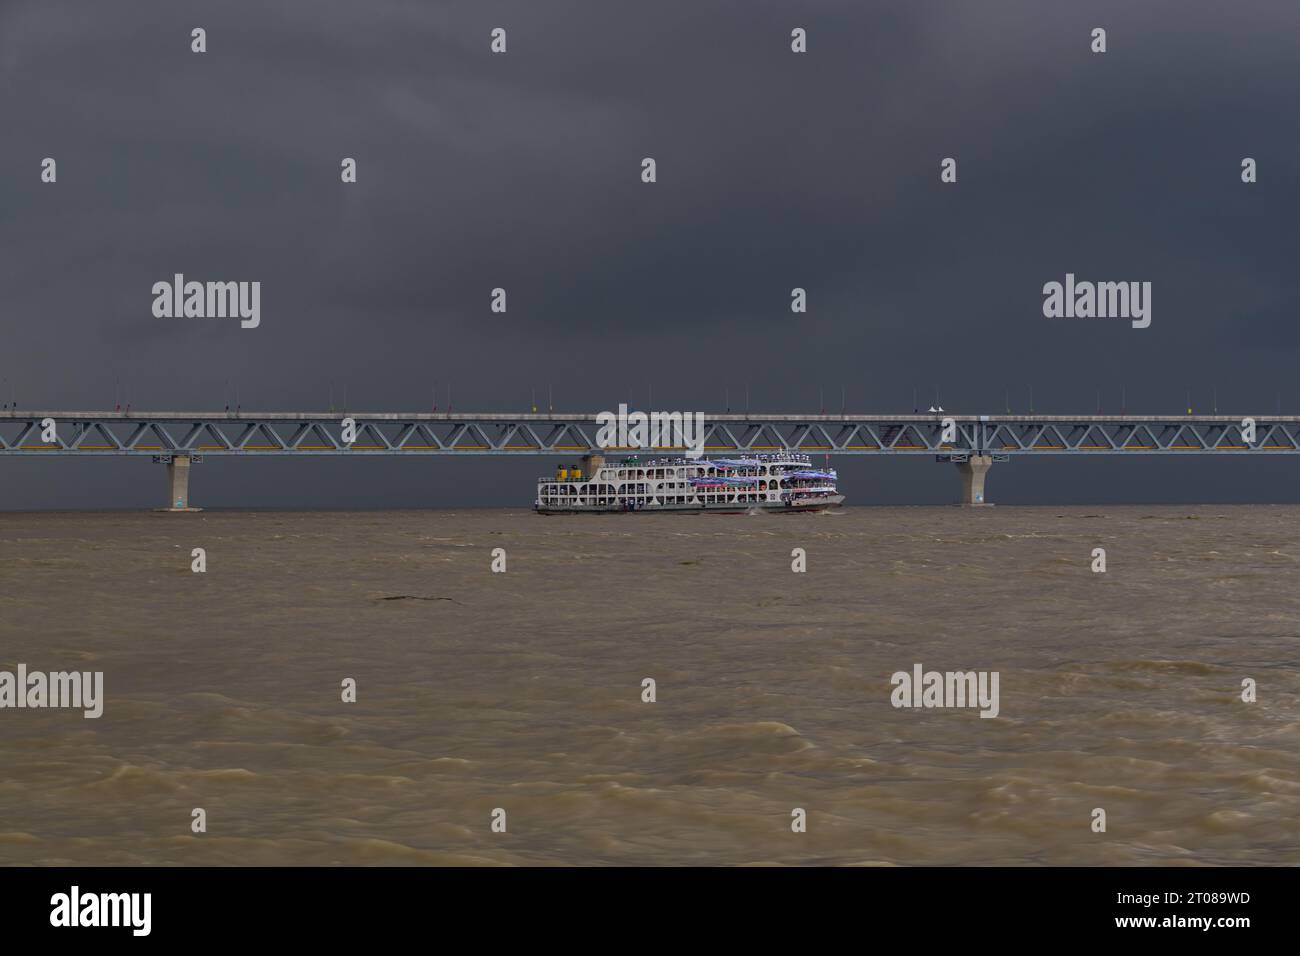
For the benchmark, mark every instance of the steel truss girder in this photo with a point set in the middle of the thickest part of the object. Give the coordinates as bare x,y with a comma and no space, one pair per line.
551,434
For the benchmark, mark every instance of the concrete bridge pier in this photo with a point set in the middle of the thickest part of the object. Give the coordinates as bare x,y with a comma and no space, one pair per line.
178,484
591,464
972,473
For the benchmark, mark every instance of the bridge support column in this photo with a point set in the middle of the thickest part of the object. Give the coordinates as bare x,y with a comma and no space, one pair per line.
178,484
972,473
591,464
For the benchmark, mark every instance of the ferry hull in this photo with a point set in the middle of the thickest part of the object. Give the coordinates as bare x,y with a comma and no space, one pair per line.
738,508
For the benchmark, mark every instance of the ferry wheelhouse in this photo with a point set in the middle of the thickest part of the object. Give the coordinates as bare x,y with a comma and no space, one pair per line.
781,482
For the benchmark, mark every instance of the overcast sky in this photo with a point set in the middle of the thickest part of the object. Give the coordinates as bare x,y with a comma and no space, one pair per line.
522,171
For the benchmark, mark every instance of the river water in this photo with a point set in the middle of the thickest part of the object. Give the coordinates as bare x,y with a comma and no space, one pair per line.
522,691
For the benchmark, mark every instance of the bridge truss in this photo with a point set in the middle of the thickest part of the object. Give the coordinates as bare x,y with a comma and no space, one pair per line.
196,434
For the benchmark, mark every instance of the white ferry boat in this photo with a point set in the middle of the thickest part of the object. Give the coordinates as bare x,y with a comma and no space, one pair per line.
784,483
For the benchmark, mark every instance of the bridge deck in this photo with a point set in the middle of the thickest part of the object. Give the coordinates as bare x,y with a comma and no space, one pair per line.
954,436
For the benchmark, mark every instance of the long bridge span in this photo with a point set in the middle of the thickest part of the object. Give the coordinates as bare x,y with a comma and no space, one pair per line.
972,442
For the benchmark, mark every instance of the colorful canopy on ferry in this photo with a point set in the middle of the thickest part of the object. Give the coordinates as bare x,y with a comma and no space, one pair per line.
811,475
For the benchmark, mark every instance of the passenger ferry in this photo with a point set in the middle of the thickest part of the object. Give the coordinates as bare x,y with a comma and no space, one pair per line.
783,483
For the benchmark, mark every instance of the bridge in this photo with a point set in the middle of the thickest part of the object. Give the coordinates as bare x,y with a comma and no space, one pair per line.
972,442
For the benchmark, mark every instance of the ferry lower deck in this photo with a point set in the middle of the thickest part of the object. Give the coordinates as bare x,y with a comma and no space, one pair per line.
787,507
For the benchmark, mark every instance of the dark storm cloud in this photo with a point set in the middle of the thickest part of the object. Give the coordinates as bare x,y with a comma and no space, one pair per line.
522,171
